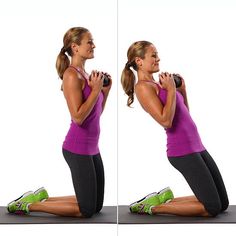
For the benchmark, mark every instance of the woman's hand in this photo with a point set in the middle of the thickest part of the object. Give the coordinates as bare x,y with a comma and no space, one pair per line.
106,89
166,81
95,81
182,88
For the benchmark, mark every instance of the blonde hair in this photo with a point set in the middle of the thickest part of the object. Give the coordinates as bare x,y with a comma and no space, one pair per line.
73,35
137,49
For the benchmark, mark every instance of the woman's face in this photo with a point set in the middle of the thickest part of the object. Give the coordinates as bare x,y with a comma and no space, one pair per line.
86,47
150,63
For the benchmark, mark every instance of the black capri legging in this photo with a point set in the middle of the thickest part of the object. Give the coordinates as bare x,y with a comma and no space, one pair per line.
204,178
88,179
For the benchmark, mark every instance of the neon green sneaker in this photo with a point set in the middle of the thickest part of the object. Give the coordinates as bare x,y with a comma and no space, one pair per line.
165,195
20,205
22,208
143,205
145,209
41,194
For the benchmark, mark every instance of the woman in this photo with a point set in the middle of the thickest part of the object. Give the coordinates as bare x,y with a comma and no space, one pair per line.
86,98
185,151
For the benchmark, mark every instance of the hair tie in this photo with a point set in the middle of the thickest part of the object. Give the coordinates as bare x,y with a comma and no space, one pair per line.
63,50
127,65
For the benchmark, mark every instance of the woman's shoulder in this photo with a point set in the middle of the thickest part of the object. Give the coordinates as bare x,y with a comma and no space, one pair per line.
72,79
145,85
71,73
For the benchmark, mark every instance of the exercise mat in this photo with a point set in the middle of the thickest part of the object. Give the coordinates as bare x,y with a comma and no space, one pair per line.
125,217
108,215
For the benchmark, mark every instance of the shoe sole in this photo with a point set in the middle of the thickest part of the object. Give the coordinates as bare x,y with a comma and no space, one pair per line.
39,190
149,195
164,190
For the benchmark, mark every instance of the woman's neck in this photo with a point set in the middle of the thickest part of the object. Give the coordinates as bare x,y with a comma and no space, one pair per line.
142,75
78,63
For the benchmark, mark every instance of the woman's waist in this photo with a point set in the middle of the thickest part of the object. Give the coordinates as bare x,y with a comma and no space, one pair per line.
91,127
77,132
81,139
181,138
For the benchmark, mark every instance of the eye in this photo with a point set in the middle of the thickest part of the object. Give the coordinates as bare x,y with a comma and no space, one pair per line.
155,55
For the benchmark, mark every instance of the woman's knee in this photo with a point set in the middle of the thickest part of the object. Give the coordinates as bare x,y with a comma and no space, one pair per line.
87,212
213,208
225,205
98,209
99,205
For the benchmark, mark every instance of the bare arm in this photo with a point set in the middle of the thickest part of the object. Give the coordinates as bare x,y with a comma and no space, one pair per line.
147,96
72,88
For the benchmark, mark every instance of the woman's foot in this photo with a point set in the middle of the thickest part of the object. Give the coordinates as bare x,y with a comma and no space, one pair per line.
21,204
165,195
145,204
41,194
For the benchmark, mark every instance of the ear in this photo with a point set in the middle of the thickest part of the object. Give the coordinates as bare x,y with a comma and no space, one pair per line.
138,61
74,47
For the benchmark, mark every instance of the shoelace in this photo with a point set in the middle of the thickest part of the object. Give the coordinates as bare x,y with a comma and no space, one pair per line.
19,205
141,208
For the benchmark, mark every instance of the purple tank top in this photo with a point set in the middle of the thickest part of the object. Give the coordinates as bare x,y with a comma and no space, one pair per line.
183,137
83,139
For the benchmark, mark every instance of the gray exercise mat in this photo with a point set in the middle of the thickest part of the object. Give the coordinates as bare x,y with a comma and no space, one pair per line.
125,217
108,215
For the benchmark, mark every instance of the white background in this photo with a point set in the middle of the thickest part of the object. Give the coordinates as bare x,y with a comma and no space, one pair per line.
34,115
193,38
196,39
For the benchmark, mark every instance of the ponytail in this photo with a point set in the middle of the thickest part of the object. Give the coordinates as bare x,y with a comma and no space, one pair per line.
128,82
137,49
62,62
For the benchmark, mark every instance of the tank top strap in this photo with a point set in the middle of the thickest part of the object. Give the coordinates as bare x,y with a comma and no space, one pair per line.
158,85
79,71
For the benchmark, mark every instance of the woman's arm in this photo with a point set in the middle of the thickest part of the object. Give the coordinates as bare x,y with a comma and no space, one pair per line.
72,88
147,96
